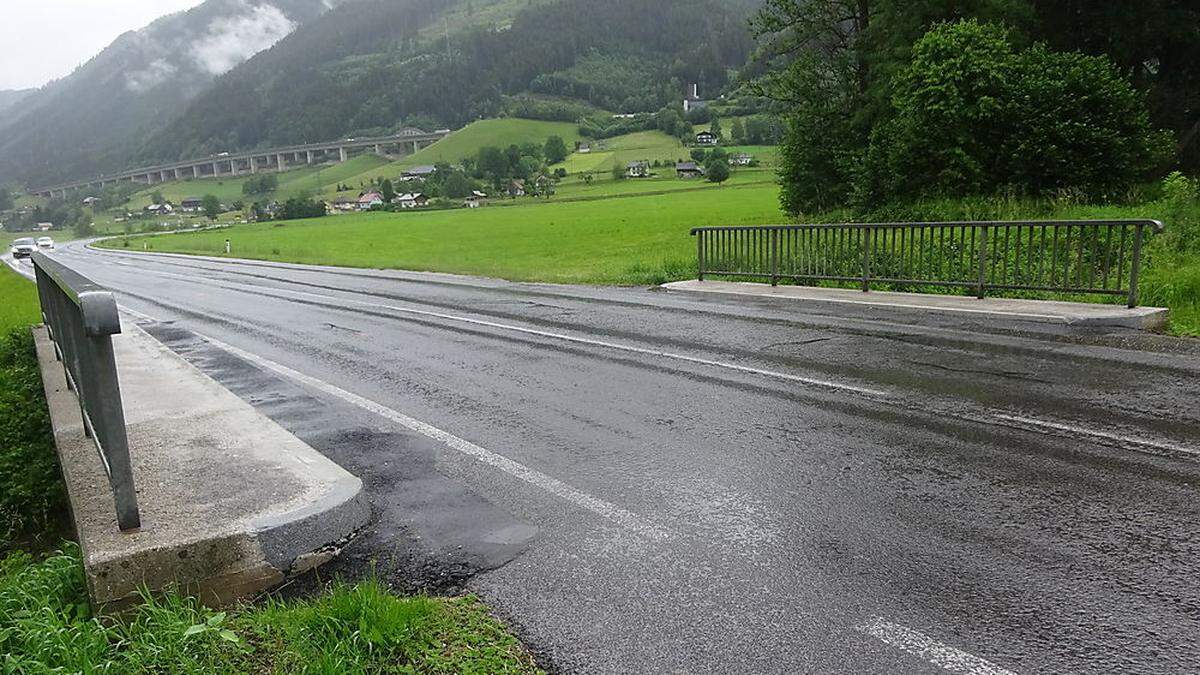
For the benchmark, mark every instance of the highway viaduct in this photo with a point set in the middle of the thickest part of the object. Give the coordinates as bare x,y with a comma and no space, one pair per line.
256,161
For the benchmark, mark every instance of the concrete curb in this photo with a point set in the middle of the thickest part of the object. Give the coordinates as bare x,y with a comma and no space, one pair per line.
1000,309
232,504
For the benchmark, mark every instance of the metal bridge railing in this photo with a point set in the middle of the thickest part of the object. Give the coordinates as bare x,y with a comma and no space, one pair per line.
82,318
1065,256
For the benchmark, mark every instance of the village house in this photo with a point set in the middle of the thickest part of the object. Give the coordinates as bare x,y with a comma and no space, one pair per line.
369,200
741,159
45,227
584,149
476,200
191,205
411,200
638,169
159,209
91,201
706,138
516,188
688,170
343,205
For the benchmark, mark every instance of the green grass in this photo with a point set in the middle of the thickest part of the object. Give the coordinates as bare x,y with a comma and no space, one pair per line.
583,162
322,182
18,301
620,150
635,231
32,500
633,240
47,626
496,132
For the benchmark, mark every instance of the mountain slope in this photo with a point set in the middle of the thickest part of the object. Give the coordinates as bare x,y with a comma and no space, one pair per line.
184,87
373,65
11,97
85,123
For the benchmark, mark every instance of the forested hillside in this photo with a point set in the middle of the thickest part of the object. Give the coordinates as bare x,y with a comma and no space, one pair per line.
891,101
369,67
10,97
364,67
92,120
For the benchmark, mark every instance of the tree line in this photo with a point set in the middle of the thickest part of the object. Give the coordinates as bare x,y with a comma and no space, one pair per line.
891,101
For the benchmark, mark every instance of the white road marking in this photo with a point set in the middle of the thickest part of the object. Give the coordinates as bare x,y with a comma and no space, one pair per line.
626,519
827,384
924,647
1162,446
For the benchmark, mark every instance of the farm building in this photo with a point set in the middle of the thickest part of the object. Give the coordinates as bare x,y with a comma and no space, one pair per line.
369,199
411,200
688,170
706,138
418,172
343,205
191,205
638,169
476,200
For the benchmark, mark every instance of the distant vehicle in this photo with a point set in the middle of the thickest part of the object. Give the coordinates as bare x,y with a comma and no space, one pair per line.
45,243
23,247
222,154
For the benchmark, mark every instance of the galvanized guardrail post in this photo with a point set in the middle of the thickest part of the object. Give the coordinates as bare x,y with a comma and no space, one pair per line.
82,318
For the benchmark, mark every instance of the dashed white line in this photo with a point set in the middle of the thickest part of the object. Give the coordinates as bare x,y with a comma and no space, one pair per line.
608,510
925,647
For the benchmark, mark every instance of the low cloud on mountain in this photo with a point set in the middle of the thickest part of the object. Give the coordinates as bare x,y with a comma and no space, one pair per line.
233,39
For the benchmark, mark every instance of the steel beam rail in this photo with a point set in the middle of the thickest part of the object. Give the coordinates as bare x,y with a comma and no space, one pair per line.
1057,256
82,318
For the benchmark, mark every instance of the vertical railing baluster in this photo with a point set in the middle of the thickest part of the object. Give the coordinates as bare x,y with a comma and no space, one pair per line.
983,256
867,239
1135,265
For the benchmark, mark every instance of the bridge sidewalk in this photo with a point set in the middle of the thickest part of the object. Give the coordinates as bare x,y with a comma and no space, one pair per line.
995,309
231,503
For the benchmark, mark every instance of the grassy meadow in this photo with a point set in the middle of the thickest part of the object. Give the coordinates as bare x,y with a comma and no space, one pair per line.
638,239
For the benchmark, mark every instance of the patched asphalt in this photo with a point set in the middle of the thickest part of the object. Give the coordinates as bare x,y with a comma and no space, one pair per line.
768,483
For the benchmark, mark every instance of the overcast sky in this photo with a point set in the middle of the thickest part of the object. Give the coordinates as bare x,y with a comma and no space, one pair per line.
41,40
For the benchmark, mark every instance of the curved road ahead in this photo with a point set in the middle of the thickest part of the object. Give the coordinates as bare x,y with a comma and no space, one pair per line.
649,482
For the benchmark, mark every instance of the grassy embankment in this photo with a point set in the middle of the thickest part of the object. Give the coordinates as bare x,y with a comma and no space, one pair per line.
46,624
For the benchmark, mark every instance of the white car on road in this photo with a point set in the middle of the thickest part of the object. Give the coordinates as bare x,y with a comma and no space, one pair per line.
45,243
23,247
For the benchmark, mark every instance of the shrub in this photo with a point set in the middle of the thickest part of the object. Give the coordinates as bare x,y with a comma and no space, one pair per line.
1179,208
972,115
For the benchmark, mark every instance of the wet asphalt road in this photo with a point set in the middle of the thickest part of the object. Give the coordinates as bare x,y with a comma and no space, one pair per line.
648,482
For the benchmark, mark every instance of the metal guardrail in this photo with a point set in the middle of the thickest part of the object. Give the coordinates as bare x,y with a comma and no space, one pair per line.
82,318
1066,256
